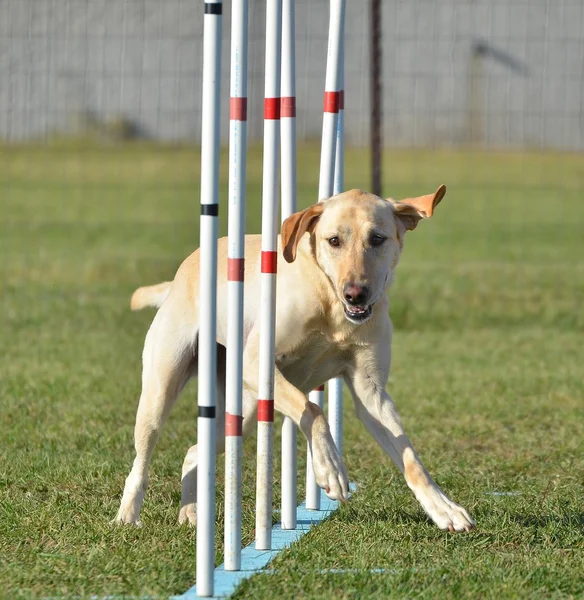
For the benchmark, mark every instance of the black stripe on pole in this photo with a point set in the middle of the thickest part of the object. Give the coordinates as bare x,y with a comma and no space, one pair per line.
210,210
207,412
213,8
376,119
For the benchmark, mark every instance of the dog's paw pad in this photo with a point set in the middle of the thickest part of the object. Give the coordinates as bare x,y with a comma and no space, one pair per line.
188,515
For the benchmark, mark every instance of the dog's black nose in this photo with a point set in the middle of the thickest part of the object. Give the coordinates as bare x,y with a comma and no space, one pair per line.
355,294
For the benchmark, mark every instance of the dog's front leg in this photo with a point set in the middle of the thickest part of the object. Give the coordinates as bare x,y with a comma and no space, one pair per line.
329,469
377,410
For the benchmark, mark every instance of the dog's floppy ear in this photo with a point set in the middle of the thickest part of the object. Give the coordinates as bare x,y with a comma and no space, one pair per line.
295,226
410,210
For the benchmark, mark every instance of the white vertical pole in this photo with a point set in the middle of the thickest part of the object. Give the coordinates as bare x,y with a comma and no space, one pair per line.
268,276
332,96
335,386
207,300
235,276
312,489
288,193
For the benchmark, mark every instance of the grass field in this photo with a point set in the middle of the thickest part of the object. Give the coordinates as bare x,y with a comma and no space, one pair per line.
488,308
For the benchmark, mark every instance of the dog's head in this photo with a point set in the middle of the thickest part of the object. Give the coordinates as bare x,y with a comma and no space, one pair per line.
357,239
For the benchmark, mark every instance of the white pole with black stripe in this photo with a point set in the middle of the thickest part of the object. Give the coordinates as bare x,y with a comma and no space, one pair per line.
206,432
269,259
332,95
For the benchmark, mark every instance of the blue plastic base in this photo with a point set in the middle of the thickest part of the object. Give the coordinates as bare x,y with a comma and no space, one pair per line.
254,561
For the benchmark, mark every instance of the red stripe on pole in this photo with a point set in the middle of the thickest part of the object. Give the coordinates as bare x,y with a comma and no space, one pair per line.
288,105
235,269
233,425
320,388
269,261
331,102
272,108
342,100
266,411
238,109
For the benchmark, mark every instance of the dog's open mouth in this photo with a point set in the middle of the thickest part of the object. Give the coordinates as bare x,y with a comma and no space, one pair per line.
358,314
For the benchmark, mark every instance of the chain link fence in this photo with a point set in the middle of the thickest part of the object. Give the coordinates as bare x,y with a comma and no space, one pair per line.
492,73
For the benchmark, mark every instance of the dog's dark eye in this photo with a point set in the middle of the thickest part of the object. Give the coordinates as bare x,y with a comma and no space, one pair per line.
377,240
334,242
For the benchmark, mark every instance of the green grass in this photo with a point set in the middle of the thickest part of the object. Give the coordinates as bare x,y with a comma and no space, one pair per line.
487,373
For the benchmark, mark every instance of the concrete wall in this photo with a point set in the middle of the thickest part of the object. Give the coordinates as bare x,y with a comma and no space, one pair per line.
141,60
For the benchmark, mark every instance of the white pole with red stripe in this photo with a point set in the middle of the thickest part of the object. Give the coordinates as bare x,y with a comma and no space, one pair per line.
269,255
288,201
335,386
207,301
332,95
235,276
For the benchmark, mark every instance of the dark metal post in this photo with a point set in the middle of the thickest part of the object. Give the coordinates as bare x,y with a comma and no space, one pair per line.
376,122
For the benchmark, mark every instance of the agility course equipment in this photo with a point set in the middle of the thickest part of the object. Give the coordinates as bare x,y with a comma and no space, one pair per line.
328,156
335,386
288,207
279,128
269,259
208,301
235,276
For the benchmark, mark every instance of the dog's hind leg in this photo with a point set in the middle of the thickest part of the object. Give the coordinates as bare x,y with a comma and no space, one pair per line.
168,363
188,510
188,506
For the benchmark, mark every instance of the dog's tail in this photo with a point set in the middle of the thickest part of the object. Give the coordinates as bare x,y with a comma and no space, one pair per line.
152,295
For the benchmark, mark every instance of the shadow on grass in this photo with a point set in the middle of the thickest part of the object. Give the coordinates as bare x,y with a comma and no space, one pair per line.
543,521
393,515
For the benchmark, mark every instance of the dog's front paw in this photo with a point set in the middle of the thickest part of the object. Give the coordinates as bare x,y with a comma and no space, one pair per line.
329,469
445,513
127,516
188,514
129,511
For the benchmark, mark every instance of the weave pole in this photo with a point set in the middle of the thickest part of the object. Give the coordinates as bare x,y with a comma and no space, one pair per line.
375,92
208,298
335,386
288,202
332,95
269,261
235,277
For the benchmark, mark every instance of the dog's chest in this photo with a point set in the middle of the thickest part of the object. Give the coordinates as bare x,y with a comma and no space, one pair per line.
313,363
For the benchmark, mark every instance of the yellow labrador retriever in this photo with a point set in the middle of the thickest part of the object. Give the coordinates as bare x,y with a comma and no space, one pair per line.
336,263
